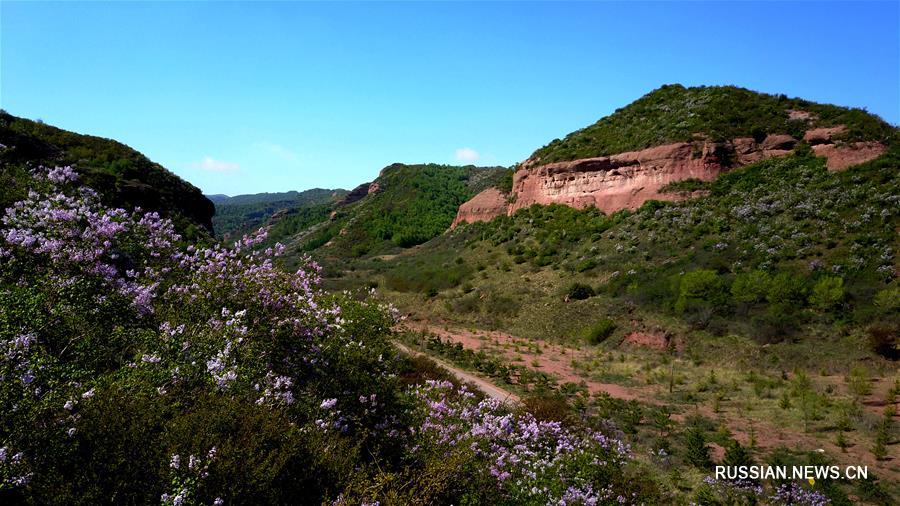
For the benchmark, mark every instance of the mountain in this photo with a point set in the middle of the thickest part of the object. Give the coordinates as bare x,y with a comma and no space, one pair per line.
287,212
123,176
674,134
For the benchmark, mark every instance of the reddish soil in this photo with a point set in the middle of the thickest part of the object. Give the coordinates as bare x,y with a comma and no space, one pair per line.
656,341
556,360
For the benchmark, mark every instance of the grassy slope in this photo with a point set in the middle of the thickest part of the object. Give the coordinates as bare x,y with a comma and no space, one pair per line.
674,113
123,176
414,203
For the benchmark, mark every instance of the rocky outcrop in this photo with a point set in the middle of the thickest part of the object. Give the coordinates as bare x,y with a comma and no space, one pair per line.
842,156
354,195
627,180
485,206
622,181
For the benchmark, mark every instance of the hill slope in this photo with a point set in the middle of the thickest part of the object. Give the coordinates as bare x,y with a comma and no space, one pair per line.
124,177
405,206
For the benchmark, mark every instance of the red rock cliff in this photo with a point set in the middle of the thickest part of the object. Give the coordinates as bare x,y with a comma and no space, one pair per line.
485,206
627,180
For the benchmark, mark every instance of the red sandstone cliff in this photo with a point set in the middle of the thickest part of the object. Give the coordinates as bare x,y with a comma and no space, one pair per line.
627,180
485,206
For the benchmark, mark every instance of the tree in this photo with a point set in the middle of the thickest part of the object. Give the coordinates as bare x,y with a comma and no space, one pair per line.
750,287
827,293
696,451
737,455
698,289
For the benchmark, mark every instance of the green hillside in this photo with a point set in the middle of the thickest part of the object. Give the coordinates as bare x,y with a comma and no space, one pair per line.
123,176
412,204
674,113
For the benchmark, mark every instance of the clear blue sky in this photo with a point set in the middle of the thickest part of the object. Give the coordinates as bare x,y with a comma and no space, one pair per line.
250,97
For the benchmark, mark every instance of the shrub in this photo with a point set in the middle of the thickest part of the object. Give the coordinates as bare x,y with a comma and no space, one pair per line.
750,287
586,265
827,293
600,331
698,289
885,341
579,291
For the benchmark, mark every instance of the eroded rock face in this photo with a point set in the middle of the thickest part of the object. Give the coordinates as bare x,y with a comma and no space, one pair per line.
622,181
627,180
485,206
842,156
354,195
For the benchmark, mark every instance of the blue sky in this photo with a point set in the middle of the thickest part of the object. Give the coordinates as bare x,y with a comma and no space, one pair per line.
249,97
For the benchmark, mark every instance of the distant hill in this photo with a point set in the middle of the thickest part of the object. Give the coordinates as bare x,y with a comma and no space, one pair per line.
405,206
217,198
242,214
122,176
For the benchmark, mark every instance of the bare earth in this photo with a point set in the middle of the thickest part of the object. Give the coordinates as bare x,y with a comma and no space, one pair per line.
556,360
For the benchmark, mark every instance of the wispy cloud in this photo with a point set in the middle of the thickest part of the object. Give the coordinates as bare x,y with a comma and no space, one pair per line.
468,155
212,165
277,150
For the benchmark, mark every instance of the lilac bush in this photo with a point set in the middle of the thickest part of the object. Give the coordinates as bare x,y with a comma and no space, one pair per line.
125,354
527,460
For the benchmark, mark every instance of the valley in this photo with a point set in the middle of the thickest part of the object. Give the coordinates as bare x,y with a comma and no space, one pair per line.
706,276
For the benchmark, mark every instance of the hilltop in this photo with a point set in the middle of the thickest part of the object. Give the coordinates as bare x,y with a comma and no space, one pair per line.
123,176
674,134
674,113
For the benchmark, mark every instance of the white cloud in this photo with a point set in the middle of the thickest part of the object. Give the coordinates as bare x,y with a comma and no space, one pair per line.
467,155
212,165
277,150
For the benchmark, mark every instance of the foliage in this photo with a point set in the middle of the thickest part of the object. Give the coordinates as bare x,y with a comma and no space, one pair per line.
122,176
139,368
289,213
598,332
412,204
579,291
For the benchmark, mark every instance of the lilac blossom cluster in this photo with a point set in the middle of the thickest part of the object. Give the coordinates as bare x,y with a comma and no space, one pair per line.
70,236
529,460
187,475
791,494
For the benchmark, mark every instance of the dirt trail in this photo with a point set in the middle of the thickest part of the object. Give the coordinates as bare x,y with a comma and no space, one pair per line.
556,360
489,389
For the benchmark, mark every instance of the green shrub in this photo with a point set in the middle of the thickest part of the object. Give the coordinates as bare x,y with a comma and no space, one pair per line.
579,291
600,331
827,293
699,289
750,287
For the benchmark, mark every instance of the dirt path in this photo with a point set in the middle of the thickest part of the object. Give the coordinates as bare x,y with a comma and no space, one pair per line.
489,389
556,360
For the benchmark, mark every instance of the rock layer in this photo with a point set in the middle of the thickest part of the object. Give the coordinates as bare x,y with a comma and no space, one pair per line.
485,206
627,180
